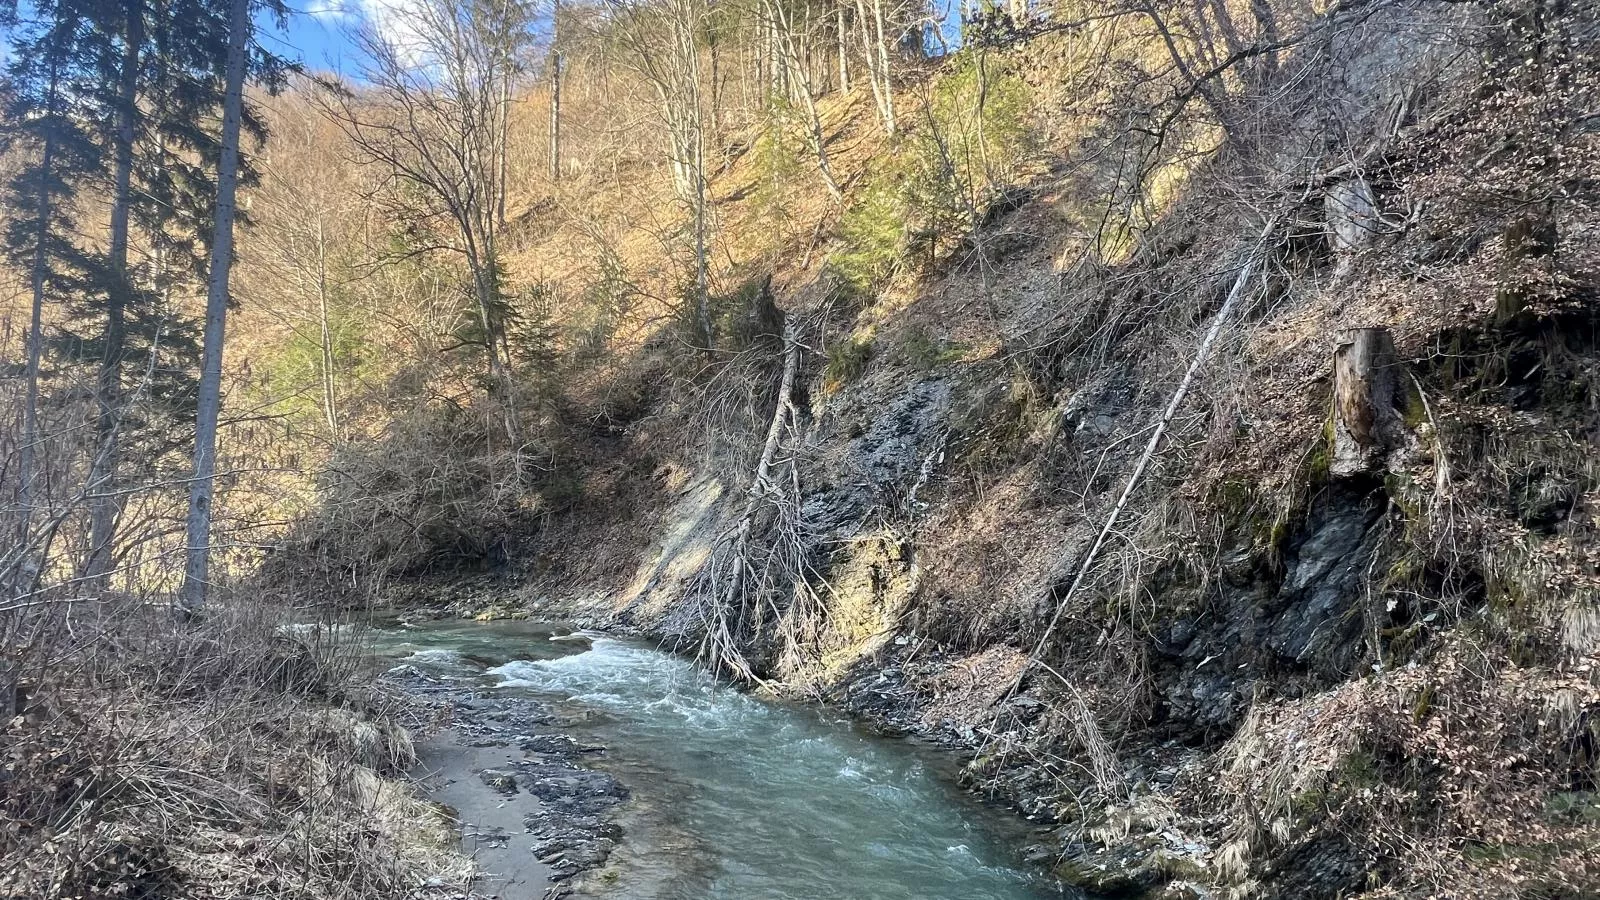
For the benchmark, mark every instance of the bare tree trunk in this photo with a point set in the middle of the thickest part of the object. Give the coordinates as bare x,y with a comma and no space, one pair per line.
503,151
197,565
1240,283
1367,396
27,453
877,57
104,502
842,34
729,590
330,393
783,25
555,93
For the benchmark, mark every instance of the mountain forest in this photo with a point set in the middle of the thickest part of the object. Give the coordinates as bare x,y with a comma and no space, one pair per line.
763,449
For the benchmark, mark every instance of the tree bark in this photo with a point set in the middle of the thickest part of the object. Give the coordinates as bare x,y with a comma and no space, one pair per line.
555,93
1368,421
197,564
843,42
330,385
105,506
27,454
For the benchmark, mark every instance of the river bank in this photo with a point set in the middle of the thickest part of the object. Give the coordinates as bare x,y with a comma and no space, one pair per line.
529,810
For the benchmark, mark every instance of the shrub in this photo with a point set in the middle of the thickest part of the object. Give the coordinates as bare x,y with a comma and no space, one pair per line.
228,757
925,351
872,237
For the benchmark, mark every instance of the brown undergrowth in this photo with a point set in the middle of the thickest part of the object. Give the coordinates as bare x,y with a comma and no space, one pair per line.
224,758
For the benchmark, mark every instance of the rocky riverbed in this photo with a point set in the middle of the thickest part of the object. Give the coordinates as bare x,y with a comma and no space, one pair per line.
601,767
531,811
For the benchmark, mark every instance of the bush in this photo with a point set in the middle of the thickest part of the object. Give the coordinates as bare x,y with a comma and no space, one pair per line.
872,233
927,194
925,351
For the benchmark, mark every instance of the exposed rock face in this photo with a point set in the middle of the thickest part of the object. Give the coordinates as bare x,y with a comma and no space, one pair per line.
1318,619
889,453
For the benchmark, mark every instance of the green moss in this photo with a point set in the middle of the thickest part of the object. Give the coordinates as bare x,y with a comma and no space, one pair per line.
1310,805
1578,807
1423,705
1483,853
1416,411
1358,771
1005,428
1403,491
1318,466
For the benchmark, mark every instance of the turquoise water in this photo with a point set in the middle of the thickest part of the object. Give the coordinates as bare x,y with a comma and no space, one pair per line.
739,798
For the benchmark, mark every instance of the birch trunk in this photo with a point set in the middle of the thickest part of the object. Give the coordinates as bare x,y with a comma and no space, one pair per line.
844,54
555,93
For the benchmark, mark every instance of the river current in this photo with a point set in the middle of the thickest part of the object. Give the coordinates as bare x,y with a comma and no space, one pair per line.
737,797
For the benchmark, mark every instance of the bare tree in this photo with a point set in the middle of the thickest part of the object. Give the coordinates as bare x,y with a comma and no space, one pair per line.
876,26
788,44
554,64
662,43
433,114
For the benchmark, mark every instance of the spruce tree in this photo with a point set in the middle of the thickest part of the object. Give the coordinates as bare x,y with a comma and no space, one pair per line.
44,124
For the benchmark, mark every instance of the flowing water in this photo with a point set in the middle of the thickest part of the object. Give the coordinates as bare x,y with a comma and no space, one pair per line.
735,797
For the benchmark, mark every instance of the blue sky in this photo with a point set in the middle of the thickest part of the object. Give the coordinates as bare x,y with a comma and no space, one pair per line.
317,34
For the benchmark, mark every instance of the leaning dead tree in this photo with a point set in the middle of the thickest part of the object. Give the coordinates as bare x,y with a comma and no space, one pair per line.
762,555
1241,283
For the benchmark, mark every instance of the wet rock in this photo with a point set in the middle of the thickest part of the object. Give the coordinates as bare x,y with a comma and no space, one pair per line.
1318,618
500,780
568,805
1132,868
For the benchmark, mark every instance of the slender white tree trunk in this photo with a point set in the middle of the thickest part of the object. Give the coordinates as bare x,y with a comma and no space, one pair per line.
844,54
555,93
330,392
197,564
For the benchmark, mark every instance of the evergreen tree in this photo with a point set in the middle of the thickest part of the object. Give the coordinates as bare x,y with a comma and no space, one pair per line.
44,122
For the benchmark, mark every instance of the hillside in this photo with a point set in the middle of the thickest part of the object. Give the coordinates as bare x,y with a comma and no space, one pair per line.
1180,414
1304,661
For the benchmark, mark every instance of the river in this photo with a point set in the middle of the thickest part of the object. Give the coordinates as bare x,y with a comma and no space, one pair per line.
735,797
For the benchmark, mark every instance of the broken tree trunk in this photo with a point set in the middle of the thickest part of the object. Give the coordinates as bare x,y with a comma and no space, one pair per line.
1530,246
1368,398
1351,211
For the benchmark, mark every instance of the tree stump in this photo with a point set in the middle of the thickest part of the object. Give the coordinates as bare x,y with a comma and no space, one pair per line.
1368,402
1351,211
1530,242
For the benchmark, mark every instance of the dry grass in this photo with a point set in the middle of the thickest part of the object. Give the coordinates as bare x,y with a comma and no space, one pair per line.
227,758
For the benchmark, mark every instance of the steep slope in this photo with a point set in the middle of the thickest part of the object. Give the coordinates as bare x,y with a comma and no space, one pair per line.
1090,500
